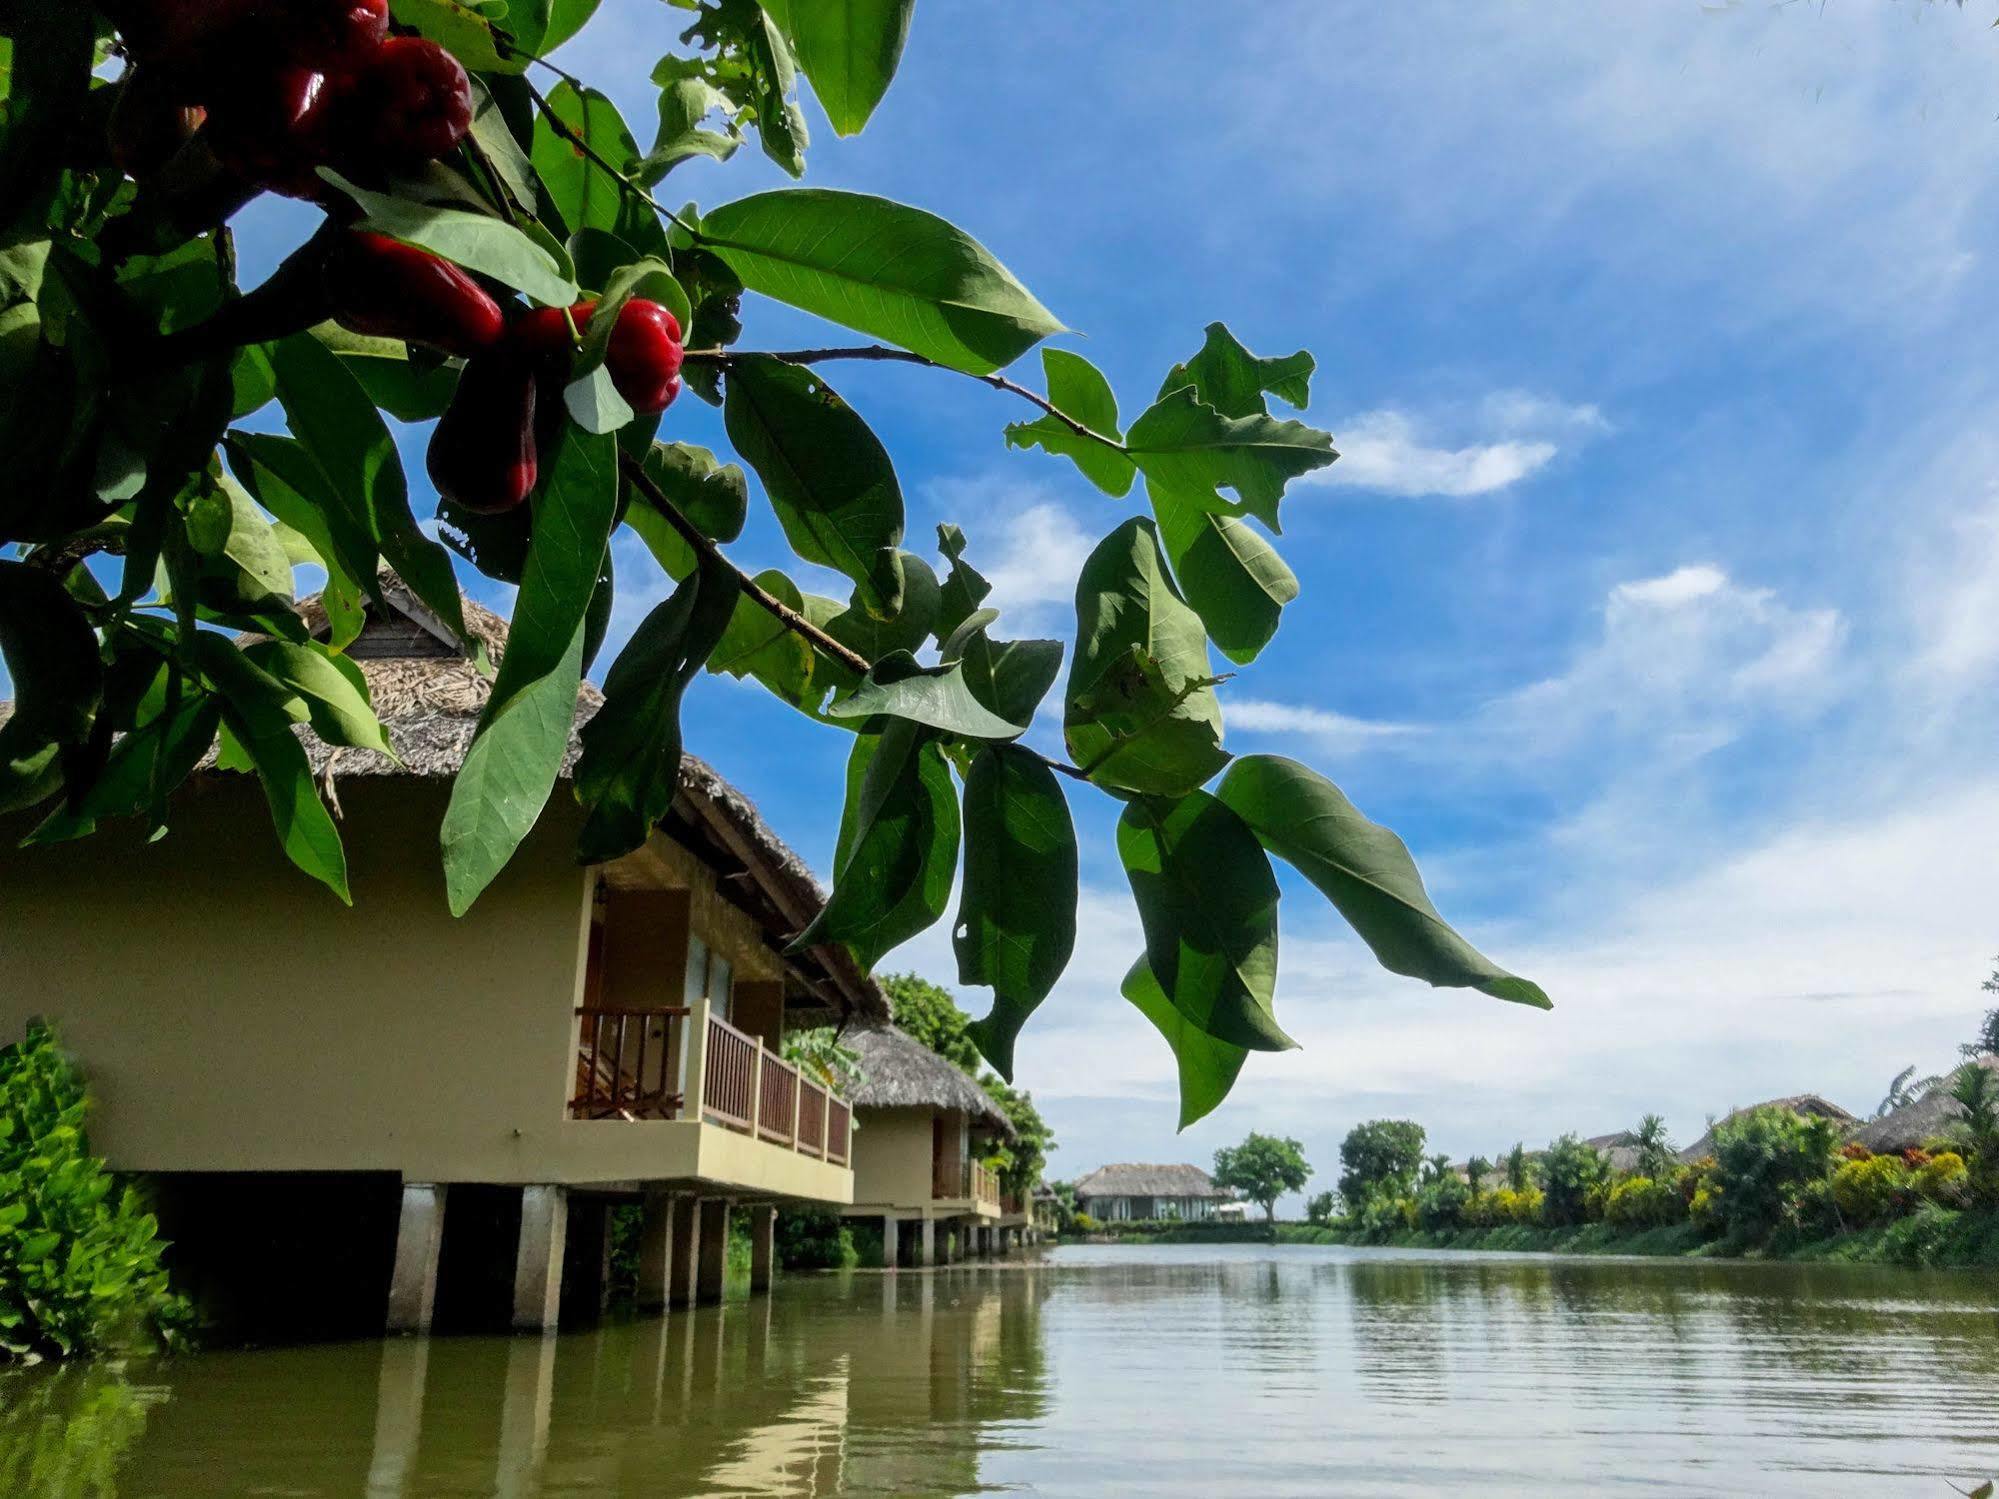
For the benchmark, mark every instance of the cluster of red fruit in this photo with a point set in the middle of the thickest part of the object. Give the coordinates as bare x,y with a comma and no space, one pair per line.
285,86
484,455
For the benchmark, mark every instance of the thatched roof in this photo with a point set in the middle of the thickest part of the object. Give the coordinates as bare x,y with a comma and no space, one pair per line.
1133,1180
429,694
1931,1115
1798,1103
900,1072
1621,1146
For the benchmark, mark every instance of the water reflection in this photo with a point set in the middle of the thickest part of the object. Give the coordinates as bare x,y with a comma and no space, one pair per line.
1189,1371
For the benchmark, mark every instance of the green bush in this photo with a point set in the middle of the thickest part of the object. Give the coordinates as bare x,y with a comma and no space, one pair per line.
1574,1179
1944,1179
1386,1214
1642,1202
1764,1159
813,1239
1510,1206
1874,1190
1441,1206
79,1258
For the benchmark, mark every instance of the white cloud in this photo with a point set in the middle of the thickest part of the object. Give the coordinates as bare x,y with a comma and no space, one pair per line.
1956,597
1033,559
1332,732
1381,451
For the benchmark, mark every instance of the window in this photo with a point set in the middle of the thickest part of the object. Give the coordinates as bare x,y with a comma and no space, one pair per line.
708,976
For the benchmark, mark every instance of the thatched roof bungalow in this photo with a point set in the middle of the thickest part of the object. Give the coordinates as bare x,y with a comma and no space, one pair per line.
1131,1191
581,1033
1809,1104
924,1126
1931,1115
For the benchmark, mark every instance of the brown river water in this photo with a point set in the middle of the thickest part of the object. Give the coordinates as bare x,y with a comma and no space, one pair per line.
1210,1370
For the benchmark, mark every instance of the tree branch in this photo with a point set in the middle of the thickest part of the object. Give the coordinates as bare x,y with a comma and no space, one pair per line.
704,545
561,127
883,354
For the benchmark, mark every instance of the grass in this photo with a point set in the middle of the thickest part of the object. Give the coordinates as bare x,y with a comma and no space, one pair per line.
1934,1238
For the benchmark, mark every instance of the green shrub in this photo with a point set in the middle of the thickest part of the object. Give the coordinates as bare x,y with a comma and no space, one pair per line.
814,1239
1386,1214
79,1258
1523,1206
1874,1190
1764,1159
1320,1208
1944,1179
1642,1202
1084,1223
1574,1179
1440,1207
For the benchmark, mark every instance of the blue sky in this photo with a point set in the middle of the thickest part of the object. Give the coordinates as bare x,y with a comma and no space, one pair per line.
1653,599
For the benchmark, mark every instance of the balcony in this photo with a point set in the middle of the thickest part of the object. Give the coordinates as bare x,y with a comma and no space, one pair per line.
743,1103
968,1182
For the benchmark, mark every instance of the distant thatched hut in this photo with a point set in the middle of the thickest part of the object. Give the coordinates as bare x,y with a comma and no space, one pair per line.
1128,1192
1620,1148
1929,1116
1808,1104
923,1126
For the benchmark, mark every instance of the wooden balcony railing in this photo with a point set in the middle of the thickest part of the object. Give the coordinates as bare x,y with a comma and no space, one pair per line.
777,1108
628,1064
984,1185
638,1064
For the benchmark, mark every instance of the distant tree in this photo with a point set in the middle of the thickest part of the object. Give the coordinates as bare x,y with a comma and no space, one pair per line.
927,1013
1380,1153
1020,1161
1436,1168
1263,1168
1977,1090
818,1052
1905,1090
1574,1175
1516,1168
1320,1208
1654,1147
1765,1159
1987,1040
1477,1169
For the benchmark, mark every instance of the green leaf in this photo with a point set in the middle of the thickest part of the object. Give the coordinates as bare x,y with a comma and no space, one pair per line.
1079,390
1141,712
1365,871
468,32
630,769
407,391
490,246
1017,907
848,48
902,687
756,644
1208,902
684,103
965,587
582,192
332,694
858,630
243,563
305,829
1233,577
495,138
143,767
883,268
898,845
1233,380
715,496
273,469
1011,677
523,735
361,476
1208,1068
828,476
565,19
1192,450
51,654
594,404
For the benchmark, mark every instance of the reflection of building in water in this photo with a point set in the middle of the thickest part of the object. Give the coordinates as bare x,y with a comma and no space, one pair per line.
467,1091
869,1384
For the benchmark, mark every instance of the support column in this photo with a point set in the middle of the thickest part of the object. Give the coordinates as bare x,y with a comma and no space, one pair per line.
926,1242
538,1262
656,1252
683,1234
763,1248
419,1236
891,1241
713,1252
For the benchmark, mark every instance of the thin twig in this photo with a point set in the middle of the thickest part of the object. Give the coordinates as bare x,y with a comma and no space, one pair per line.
882,353
561,127
704,545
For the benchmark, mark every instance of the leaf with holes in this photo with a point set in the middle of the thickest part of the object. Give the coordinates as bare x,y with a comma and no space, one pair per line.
1192,450
1078,389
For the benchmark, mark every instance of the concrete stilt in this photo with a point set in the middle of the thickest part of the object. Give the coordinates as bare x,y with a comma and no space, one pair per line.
713,1253
891,1241
538,1261
926,1243
656,1252
763,1248
419,1236
683,1234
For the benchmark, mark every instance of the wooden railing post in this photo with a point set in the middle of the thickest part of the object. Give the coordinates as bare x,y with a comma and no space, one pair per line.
697,1059
797,1107
757,1089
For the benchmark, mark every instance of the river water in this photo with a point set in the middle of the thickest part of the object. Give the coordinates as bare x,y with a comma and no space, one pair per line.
1173,1370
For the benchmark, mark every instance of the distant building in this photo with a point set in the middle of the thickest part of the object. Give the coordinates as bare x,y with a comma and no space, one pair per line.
1926,1118
1124,1193
1808,1104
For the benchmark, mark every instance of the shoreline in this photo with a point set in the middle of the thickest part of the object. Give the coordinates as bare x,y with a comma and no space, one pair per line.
1933,1239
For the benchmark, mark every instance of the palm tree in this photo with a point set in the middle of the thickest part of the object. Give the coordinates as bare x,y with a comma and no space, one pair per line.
1436,1169
1477,1169
1902,1091
1654,1147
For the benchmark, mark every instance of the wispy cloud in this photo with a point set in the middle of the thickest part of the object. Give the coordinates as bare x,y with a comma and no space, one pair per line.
1329,731
1508,436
